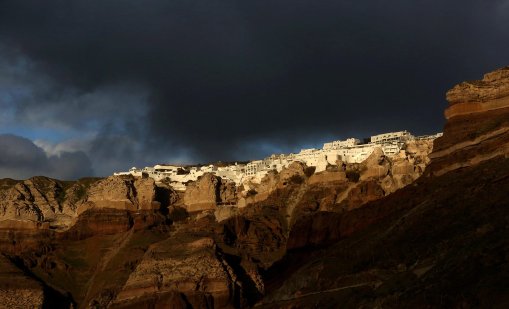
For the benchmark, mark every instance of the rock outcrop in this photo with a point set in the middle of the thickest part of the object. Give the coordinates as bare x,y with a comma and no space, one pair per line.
208,192
124,192
294,174
477,127
490,93
42,200
191,268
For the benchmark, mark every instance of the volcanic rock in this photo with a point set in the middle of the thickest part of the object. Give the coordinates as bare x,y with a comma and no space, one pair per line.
375,165
18,290
477,96
436,242
208,192
123,192
224,212
477,127
42,200
326,176
371,234
189,267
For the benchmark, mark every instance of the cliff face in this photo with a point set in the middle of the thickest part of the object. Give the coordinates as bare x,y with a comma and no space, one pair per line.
388,232
213,255
436,242
123,193
190,267
477,124
36,200
208,192
41,202
490,93
439,243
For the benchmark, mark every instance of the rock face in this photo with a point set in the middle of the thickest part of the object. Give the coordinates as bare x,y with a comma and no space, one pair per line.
121,192
490,93
20,291
436,242
33,199
432,244
42,200
208,192
188,268
477,124
121,249
273,181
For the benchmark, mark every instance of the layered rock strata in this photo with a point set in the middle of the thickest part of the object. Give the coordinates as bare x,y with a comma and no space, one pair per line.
42,203
477,127
124,192
191,268
436,242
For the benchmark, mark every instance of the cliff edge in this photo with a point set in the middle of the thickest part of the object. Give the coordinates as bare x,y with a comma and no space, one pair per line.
477,124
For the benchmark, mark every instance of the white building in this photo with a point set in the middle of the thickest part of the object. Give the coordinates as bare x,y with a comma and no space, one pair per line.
349,151
253,167
401,136
350,142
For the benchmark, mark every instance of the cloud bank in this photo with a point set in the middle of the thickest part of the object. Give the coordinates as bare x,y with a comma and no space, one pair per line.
20,158
135,83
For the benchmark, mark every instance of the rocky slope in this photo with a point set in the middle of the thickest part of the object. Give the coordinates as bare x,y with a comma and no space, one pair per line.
18,290
196,249
439,242
376,234
42,218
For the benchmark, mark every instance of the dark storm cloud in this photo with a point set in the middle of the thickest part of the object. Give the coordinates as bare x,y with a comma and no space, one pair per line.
225,76
20,158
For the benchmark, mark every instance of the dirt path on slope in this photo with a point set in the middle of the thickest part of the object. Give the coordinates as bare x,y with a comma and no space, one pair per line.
373,283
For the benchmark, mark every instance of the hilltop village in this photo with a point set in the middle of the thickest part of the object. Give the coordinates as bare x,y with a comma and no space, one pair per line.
351,150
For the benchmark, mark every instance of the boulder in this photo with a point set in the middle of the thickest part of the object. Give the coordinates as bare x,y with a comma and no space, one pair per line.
403,167
146,193
375,166
294,171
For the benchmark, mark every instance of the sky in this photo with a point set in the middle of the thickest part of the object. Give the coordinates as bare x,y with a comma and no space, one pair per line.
92,87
